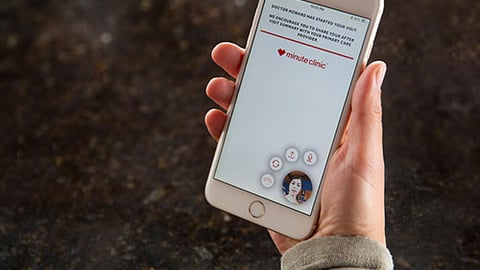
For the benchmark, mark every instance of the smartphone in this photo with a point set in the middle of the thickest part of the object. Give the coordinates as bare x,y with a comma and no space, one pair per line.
290,106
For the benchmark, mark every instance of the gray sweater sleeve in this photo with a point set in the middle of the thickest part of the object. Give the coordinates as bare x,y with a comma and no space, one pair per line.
338,252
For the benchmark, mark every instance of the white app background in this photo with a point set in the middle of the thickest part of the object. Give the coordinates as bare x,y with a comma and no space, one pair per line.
284,103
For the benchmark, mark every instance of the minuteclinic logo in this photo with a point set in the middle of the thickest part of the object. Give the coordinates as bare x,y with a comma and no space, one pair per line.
302,59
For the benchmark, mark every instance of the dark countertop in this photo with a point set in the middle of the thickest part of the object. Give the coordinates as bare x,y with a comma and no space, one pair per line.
103,152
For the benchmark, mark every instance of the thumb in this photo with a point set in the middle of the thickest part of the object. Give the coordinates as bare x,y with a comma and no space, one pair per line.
366,115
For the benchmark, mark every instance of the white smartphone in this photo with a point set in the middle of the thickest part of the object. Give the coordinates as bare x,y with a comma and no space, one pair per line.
289,109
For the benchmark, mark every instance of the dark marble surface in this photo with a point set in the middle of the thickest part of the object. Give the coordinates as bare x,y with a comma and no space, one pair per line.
103,153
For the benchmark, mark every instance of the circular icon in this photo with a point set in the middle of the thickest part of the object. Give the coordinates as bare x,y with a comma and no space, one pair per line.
291,154
276,163
267,180
310,158
297,187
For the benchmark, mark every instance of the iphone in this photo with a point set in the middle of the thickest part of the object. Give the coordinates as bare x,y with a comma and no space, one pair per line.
291,102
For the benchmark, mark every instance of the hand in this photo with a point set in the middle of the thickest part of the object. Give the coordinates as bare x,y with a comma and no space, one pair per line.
352,199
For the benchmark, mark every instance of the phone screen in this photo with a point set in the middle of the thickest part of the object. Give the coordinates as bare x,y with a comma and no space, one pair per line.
290,101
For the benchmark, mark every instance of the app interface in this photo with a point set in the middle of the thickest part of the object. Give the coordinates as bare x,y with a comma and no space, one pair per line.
290,101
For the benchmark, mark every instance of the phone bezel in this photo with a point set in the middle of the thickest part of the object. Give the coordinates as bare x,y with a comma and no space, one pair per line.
277,217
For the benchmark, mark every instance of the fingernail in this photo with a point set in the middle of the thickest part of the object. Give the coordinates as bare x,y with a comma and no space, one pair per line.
380,76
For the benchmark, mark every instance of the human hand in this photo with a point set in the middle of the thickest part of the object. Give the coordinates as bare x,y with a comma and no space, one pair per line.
352,199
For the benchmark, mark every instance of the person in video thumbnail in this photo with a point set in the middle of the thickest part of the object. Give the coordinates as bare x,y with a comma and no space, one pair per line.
297,187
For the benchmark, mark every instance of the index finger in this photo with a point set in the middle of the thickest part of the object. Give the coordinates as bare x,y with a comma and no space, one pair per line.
229,57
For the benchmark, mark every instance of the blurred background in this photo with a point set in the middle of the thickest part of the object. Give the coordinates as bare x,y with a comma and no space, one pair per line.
104,156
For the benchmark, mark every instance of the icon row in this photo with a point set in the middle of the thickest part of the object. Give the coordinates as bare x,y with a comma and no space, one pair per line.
292,155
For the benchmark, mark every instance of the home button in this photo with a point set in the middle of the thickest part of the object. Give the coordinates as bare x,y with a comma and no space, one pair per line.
256,209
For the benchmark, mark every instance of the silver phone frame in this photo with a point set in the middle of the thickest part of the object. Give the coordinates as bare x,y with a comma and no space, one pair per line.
277,217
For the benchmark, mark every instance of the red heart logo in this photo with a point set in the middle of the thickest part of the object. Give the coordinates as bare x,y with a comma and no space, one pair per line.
281,52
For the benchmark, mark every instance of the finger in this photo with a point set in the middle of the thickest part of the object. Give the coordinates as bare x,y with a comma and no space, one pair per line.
220,90
366,104
365,132
215,120
229,57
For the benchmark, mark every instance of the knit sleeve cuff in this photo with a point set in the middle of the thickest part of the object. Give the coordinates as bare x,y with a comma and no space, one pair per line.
337,252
